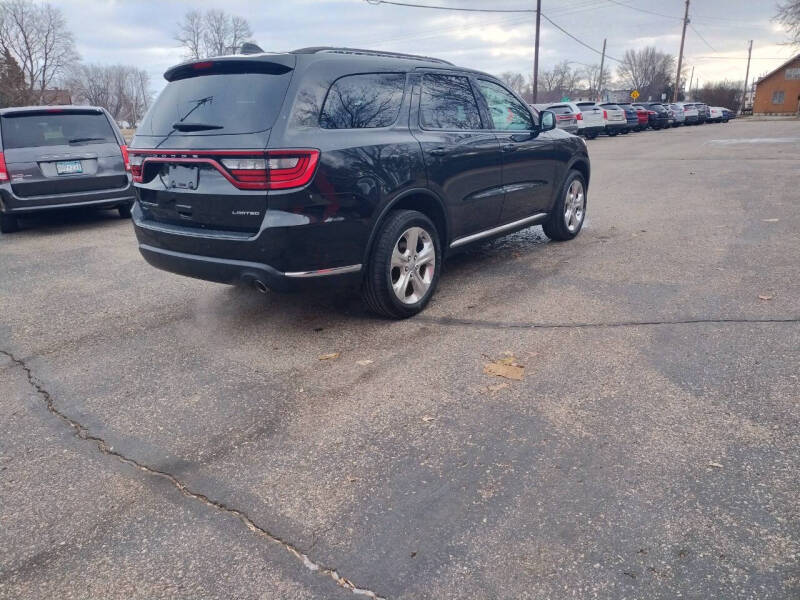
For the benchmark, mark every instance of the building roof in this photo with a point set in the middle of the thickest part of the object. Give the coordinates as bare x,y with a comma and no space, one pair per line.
786,64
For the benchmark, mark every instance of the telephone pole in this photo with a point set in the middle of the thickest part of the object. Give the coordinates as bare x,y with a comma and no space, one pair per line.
690,83
536,53
680,55
600,76
746,76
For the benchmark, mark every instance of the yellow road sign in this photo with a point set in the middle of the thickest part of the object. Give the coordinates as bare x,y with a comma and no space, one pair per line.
635,94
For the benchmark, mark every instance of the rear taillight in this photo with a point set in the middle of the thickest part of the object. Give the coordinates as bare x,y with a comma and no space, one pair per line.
580,116
125,158
3,170
605,114
135,165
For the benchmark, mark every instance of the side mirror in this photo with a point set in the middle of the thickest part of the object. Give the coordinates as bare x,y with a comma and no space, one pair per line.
547,121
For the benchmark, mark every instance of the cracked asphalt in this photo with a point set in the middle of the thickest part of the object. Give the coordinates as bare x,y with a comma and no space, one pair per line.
169,438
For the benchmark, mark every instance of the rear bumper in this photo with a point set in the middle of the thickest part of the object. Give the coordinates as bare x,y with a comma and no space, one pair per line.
590,130
11,203
616,127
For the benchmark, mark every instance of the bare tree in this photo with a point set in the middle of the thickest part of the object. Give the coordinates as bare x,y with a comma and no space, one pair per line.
789,16
647,70
721,93
121,89
13,89
212,33
516,81
36,36
562,80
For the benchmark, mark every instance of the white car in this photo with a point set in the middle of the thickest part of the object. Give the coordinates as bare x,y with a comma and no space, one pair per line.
715,114
592,122
614,118
690,112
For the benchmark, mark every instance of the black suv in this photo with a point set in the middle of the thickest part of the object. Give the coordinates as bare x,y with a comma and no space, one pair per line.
59,157
336,164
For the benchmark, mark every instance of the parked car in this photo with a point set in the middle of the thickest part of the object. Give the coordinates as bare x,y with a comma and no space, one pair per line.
593,121
678,114
566,116
656,114
727,114
643,115
715,114
690,112
631,117
702,112
55,157
342,165
615,119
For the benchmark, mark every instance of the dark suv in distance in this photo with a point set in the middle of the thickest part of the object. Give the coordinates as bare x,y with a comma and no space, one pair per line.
336,164
54,157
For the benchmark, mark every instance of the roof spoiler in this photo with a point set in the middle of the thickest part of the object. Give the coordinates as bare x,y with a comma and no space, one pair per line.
270,64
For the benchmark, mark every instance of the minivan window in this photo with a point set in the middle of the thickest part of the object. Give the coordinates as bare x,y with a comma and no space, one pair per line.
56,129
560,110
447,102
363,101
230,103
508,113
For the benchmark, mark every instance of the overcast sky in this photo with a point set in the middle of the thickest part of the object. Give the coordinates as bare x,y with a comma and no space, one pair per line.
142,32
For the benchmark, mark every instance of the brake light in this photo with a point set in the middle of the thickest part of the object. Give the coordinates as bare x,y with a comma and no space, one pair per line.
605,114
203,65
3,170
135,165
125,158
580,116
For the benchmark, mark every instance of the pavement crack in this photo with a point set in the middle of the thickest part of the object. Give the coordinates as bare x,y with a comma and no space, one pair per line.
477,323
82,432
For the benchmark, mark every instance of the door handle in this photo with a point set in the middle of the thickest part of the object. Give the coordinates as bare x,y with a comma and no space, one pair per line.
509,148
440,151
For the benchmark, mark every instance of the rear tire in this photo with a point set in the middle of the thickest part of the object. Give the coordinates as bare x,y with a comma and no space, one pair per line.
400,280
8,223
569,211
591,136
612,133
124,211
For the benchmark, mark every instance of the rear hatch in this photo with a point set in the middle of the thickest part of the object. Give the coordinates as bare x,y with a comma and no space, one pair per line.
199,157
592,115
615,114
564,116
61,151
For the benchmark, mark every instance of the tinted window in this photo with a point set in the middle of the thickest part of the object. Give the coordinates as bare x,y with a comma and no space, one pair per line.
448,103
508,113
561,110
231,103
587,107
363,101
56,129
611,106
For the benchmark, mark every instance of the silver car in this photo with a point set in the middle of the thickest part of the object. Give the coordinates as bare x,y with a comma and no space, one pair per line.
678,113
566,116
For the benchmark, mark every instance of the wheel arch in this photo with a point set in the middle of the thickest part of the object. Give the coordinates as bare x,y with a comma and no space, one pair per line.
419,199
581,164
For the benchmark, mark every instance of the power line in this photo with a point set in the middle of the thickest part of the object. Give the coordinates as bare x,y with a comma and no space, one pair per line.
434,7
644,10
702,38
581,42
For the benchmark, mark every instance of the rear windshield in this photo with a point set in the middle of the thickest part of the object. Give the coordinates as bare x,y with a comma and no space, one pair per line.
56,129
561,110
611,106
587,106
229,103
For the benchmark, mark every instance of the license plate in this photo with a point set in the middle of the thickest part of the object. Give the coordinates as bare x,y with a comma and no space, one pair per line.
184,178
69,167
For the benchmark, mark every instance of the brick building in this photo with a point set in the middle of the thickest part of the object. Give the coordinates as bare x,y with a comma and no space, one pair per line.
778,92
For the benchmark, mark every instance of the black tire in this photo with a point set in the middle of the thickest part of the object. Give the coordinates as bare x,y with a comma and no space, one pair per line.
625,131
555,227
8,223
591,136
124,210
378,292
612,133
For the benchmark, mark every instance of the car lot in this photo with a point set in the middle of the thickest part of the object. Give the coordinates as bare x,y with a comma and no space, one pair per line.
649,451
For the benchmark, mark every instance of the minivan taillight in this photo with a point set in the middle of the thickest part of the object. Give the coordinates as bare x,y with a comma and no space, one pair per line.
125,158
3,170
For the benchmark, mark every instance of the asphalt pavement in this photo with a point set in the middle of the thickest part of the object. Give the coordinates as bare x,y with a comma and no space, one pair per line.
163,437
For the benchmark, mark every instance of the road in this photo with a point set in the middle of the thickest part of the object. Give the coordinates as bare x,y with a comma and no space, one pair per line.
169,438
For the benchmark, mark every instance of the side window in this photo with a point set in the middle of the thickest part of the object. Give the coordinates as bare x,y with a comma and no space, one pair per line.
507,113
448,103
778,97
363,101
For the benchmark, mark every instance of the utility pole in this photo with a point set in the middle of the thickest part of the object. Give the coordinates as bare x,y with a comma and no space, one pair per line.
680,54
746,76
536,53
690,83
600,76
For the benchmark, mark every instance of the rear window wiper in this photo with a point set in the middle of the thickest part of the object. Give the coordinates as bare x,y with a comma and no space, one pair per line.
189,126
85,139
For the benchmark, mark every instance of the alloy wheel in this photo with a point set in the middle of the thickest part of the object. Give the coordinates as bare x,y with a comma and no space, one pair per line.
574,206
412,265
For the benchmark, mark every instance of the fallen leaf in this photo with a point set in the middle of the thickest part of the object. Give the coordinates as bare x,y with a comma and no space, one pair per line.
363,363
715,465
428,418
330,356
770,220
506,367
765,296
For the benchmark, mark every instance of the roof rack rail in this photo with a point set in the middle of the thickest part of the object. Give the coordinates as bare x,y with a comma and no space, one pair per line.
335,50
